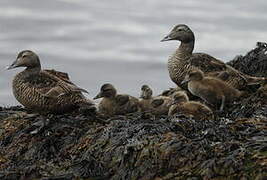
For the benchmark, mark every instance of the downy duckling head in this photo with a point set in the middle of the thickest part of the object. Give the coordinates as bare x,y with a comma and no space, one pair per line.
180,97
195,75
180,32
146,92
27,59
107,90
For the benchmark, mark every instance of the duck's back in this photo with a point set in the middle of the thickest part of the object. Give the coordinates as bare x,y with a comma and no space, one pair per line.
222,87
163,108
215,67
30,91
181,63
130,106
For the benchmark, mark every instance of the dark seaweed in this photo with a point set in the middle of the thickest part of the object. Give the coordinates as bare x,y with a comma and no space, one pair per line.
140,146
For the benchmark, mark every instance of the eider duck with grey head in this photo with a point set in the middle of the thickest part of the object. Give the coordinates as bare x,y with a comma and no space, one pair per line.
184,60
45,91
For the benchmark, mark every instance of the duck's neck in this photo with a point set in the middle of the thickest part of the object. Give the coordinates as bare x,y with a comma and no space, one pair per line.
31,71
186,47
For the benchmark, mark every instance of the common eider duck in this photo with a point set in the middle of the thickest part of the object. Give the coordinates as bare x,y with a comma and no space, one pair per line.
184,60
45,91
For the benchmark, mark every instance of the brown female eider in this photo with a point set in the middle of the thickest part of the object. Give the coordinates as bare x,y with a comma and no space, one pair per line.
45,91
183,61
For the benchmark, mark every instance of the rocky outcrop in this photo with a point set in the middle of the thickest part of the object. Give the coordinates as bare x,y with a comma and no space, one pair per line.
137,146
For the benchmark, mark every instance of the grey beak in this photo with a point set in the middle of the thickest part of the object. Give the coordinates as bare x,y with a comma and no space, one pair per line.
12,66
166,38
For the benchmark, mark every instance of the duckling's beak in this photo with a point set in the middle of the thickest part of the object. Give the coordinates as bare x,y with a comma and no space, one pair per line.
166,38
13,65
99,95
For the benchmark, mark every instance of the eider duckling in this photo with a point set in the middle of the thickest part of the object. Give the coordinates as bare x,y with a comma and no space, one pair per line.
210,89
183,61
182,105
47,91
169,92
160,105
146,98
115,104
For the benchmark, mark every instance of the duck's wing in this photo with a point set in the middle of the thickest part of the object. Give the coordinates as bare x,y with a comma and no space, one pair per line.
62,84
60,75
206,62
122,99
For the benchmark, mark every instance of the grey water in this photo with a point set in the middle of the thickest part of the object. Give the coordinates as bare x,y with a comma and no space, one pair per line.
118,41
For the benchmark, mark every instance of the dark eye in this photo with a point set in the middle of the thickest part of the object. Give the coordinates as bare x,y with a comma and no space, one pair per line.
179,29
24,55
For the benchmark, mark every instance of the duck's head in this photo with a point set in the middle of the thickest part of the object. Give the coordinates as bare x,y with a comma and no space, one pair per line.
179,97
27,59
107,90
146,92
180,32
195,75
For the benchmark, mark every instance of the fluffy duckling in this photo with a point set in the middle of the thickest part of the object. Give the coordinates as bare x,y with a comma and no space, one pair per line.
169,92
182,105
115,104
45,90
210,89
146,98
157,106
184,60
160,105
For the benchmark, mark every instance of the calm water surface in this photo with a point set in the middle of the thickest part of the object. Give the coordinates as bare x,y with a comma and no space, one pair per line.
117,41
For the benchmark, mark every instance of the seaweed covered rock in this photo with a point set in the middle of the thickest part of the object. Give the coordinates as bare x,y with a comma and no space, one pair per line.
136,146
254,62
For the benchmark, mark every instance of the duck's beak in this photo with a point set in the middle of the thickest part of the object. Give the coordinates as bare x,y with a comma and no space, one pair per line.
99,95
13,65
166,38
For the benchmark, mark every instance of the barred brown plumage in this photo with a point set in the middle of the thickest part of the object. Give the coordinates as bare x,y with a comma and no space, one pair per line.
45,90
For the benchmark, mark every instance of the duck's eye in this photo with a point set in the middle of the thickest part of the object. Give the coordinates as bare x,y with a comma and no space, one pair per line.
24,55
179,29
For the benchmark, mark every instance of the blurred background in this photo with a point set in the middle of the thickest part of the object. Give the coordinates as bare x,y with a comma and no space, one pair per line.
118,41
